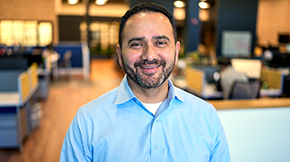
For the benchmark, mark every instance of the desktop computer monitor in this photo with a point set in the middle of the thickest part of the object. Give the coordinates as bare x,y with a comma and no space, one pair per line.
284,38
250,67
280,60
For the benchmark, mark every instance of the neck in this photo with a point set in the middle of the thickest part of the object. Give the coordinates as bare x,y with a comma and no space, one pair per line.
153,95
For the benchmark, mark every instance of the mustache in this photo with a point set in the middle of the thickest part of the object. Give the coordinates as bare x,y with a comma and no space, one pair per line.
152,62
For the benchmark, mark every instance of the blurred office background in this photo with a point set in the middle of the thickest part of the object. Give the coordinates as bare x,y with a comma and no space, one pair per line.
235,54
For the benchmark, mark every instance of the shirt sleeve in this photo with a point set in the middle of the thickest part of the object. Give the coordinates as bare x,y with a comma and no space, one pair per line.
220,151
73,148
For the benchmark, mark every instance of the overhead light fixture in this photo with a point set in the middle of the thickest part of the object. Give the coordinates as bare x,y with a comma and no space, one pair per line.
72,2
179,4
101,2
204,5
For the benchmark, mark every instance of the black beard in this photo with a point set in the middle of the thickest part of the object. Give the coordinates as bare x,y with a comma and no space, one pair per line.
150,82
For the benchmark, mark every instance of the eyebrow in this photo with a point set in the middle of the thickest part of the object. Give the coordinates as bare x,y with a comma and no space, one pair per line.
143,38
161,37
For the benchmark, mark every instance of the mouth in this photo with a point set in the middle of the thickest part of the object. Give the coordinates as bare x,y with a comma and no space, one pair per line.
149,70
149,67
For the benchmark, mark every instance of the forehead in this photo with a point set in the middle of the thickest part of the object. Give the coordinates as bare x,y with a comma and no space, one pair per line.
148,22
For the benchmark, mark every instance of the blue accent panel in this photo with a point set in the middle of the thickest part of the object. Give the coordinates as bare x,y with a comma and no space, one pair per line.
8,110
76,48
237,15
192,36
13,62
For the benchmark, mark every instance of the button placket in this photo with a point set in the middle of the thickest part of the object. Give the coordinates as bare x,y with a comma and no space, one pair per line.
156,141
157,147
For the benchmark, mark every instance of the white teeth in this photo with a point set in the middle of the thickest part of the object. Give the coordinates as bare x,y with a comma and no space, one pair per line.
150,67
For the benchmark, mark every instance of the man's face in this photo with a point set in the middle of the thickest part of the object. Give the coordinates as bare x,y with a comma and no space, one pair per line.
148,53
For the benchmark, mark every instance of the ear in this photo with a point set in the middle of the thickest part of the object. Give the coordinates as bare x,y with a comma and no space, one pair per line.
177,47
119,52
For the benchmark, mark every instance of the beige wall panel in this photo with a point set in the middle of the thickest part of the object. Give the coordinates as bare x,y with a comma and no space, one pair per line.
272,18
41,10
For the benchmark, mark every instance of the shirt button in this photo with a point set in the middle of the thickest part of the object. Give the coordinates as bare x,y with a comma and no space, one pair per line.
157,147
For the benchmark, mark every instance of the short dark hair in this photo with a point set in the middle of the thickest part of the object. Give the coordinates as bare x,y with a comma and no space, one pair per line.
146,7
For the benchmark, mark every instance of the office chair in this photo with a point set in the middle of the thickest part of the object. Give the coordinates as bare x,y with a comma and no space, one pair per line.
227,78
245,90
67,62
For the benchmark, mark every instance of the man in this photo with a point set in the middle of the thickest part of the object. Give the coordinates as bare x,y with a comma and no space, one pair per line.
146,118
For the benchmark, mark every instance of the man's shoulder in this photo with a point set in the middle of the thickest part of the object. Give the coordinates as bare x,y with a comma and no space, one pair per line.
104,101
194,104
190,98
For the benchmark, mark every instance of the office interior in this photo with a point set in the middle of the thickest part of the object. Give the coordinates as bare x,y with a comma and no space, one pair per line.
235,55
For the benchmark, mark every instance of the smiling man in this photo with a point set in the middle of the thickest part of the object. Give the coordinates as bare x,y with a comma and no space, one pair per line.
146,118
148,51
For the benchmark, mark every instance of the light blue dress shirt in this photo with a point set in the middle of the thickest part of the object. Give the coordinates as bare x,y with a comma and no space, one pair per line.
116,127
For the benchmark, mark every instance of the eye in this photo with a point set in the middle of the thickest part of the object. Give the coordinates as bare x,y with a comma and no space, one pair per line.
160,43
136,45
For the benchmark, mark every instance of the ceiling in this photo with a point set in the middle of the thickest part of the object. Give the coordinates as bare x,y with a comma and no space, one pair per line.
109,1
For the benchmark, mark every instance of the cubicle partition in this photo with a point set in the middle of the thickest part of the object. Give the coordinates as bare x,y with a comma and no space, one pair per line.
275,82
79,61
197,82
17,88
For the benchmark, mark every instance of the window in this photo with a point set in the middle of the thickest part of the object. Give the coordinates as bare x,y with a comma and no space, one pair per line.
25,33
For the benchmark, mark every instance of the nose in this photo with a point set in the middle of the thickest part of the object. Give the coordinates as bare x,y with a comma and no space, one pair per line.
149,53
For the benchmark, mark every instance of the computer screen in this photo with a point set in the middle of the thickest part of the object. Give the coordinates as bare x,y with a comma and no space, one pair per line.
236,44
280,60
250,67
284,38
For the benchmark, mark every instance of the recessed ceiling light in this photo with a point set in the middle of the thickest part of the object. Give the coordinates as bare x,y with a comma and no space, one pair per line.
204,5
72,2
101,2
179,4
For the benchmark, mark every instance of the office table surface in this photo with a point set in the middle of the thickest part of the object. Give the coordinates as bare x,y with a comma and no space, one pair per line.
9,99
250,104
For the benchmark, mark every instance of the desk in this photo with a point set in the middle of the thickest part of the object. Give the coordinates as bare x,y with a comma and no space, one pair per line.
250,104
208,91
271,92
9,99
256,130
13,126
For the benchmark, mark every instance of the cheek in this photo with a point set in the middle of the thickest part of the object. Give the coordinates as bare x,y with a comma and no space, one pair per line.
168,55
131,58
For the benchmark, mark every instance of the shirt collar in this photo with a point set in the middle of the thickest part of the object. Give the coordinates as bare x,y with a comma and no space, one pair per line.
174,92
125,93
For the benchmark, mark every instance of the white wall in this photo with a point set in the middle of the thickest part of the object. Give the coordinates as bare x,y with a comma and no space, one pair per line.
257,135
